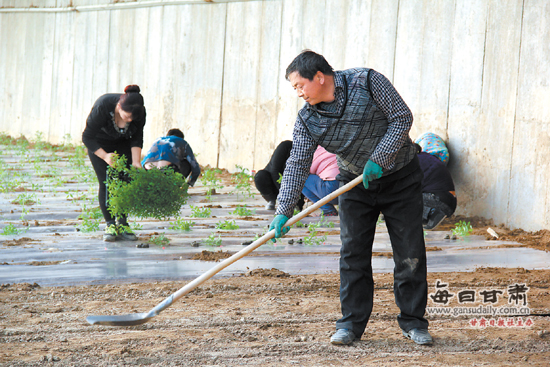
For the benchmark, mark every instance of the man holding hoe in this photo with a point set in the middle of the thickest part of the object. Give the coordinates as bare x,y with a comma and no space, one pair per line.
358,115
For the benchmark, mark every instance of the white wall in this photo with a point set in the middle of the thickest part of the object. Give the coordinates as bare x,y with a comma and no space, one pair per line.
477,72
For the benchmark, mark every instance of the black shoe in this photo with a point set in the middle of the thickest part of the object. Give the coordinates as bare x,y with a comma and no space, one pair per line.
125,233
435,218
110,233
270,205
342,337
419,336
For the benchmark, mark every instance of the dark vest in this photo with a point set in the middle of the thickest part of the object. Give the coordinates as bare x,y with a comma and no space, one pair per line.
353,130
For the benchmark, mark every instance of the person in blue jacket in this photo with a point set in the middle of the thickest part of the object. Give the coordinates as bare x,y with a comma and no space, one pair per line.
174,152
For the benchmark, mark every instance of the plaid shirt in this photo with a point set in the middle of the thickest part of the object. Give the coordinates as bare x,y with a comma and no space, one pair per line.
367,120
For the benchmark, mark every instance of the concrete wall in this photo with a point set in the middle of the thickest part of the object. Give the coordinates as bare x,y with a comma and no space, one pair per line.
474,71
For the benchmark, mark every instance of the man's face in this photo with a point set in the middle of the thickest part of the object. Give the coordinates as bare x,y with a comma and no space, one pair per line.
309,90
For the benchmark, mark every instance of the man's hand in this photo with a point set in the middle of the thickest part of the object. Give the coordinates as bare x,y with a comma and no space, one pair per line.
278,224
371,172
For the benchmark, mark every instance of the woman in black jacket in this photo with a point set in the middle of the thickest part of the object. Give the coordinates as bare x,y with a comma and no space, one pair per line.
115,124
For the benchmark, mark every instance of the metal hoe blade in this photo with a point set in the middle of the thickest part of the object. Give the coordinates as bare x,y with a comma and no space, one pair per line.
122,320
141,318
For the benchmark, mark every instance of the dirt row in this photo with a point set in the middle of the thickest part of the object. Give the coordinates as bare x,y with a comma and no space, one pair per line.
265,318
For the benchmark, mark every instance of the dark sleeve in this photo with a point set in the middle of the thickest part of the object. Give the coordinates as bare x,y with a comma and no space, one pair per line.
137,137
195,168
99,116
186,153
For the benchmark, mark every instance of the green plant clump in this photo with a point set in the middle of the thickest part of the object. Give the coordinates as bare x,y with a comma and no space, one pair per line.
90,218
462,229
211,181
182,225
160,240
212,240
143,193
242,180
312,238
243,211
10,230
299,223
227,225
198,212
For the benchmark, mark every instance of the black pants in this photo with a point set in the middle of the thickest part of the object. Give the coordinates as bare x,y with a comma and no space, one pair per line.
100,168
185,170
400,201
266,179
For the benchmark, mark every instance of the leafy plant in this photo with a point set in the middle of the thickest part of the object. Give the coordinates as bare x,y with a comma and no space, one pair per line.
143,193
242,180
462,229
323,222
10,230
312,238
198,212
212,240
243,211
160,240
182,225
227,225
26,199
90,218
5,139
211,181
135,226
299,223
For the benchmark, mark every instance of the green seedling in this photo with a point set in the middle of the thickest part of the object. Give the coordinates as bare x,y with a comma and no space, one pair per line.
11,230
312,238
242,180
323,222
182,225
26,199
212,240
160,240
135,226
5,139
298,224
198,212
243,211
211,181
90,217
24,212
462,229
39,142
227,225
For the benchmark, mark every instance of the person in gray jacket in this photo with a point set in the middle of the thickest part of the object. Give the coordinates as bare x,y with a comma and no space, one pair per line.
358,115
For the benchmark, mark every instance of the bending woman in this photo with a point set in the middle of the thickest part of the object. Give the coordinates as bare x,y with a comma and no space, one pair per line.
115,124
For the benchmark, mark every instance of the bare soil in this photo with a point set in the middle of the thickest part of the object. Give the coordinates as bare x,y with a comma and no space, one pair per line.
269,318
266,318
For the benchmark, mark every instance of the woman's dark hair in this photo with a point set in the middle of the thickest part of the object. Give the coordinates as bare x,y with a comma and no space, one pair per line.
307,64
175,132
132,101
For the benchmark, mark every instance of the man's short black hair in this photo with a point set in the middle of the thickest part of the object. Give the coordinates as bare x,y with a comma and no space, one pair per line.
307,64
175,132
